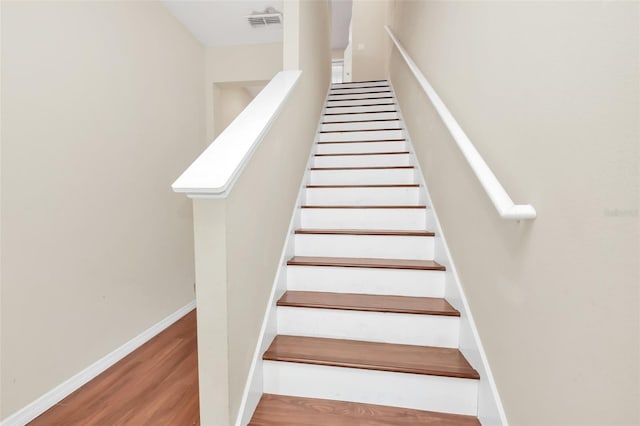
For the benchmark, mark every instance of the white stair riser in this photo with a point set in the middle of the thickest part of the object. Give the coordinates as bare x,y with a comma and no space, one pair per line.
362,160
360,136
408,329
363,196
396,219
362,125
363,116
377,246
399,282
357,84
351,147
376,101
359,109
417,391
362,177
338,91
343,96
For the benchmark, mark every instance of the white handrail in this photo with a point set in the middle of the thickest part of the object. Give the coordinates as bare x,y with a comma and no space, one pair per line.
214,172
501,200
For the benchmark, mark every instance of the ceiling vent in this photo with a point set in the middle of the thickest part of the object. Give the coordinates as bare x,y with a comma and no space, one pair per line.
269,16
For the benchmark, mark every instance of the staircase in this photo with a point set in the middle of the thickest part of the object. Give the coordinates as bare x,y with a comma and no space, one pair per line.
365,336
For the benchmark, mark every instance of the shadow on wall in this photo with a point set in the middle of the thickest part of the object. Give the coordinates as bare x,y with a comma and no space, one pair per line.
230,99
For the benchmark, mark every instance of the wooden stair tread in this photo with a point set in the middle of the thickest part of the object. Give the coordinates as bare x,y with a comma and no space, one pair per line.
361,121
412,359
373,185
358,130
307,206
282,410
366,262
362,168
371,92
368,303
358,99
358,82
361,141
345,154
358,105
389,232
353,113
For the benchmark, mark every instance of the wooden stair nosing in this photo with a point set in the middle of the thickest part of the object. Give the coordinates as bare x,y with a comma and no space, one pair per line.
338,206
361,168
280,410
358,130
358,105
361,121
381,232
343,90
359,99
375,92
364,141
374,185
360,93
354,113
368,303
359,82
333,90
365,262
346,154
397,358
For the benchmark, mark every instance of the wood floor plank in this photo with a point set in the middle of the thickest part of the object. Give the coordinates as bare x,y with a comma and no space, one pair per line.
388,232
281,410
368,303
157,384
364,262
412,359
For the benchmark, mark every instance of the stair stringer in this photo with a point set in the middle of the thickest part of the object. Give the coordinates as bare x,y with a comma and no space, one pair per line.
490,409
253,387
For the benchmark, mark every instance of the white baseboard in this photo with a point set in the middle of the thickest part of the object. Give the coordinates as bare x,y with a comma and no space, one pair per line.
55,395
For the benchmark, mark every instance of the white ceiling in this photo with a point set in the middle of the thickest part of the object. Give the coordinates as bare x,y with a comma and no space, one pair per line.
223,22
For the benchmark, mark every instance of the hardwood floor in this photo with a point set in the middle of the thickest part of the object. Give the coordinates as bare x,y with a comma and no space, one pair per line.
155,385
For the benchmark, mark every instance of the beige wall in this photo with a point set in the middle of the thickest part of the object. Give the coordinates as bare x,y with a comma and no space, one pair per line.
232,64
102,107
370,42
549,93
249,228
228,101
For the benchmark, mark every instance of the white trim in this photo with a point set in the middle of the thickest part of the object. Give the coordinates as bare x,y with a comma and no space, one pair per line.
64,389
465,309
496,192
214,172
246,408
